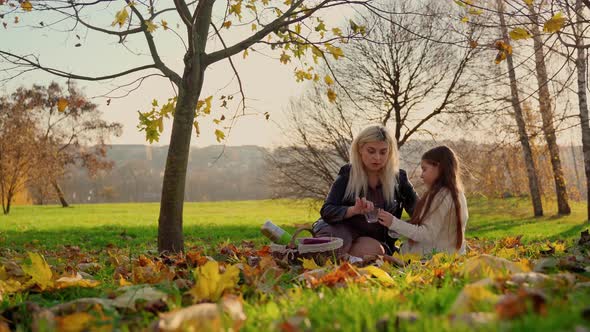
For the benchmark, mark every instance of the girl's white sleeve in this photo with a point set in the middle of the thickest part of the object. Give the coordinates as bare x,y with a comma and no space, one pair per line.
431,225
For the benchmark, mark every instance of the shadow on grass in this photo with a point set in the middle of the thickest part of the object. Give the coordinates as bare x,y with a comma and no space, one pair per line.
135,238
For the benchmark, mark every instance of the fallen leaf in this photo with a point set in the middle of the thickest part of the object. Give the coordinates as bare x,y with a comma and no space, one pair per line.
382,276
204,317
490,266
76,281
210,284
134,293
39,271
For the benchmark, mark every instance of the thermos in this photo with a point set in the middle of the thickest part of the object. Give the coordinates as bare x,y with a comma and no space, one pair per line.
275,233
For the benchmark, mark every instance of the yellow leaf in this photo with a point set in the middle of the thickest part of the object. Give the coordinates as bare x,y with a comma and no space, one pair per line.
331,95
519,33
219,135
164,24
316,77
120,18
337,32
236,9
465,19
528,2
160,122
3,274
254,27
205,317
197,129
309,264
472,297
298,28
78,321
489,266
62,103
245,54
210,284
10,286
150,26
39,271
554,24
155,103
285,58
76,281
335,51
381,275
226,24
26,6
475,11
328,80
123,282
406,257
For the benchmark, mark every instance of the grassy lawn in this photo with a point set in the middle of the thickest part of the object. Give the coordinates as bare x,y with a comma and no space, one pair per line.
284,303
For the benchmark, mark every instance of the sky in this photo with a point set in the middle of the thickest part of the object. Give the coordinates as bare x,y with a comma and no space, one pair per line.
269,85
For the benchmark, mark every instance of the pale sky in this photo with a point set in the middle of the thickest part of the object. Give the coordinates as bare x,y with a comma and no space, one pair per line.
268,84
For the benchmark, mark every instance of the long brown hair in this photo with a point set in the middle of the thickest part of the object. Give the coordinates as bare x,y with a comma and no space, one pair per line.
448,177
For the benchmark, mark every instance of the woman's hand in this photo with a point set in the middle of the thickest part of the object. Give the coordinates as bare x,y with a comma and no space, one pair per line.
385,218
361,206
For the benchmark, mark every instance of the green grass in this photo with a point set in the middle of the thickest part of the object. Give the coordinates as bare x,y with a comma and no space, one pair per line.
133,227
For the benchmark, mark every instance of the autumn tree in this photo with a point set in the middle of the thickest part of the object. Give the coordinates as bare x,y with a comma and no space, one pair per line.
295,28
408,72
70,130
18,149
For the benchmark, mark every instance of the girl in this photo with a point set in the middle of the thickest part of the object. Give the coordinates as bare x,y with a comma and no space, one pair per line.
440,217
372,180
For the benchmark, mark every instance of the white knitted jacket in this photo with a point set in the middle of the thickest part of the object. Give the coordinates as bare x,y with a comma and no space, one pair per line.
437,233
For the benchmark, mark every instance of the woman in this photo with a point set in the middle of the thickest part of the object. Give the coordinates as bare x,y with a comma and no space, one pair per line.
371,181
440,218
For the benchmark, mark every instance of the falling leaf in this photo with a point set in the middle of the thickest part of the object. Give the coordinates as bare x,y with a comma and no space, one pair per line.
108,101
210,284
120,18
519,33
245,54
164,24
331,95
62,103
78,45
226,24
39,271
254,27
150,26
26,6
554,24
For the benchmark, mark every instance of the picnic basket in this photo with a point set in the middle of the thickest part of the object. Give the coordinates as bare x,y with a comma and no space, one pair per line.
319,249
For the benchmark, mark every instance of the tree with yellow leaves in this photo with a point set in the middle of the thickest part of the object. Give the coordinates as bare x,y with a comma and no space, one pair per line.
295,28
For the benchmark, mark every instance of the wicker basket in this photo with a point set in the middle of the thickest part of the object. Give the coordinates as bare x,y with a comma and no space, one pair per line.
298,249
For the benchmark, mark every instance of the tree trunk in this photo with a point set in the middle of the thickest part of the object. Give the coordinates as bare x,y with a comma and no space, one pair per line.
522,134
60,194
581,67
547,117
170,236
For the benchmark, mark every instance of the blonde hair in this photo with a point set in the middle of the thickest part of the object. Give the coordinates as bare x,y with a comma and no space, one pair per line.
358,180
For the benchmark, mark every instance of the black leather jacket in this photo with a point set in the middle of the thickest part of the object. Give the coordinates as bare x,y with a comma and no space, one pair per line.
335,205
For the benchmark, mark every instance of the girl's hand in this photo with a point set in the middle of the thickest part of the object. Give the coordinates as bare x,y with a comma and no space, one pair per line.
385,218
